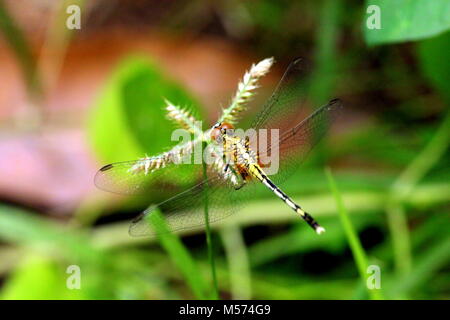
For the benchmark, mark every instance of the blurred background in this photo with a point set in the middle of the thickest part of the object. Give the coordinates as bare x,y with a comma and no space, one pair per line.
74,100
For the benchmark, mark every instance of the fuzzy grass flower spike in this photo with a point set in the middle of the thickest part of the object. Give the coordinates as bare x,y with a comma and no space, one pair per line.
185,120
246,90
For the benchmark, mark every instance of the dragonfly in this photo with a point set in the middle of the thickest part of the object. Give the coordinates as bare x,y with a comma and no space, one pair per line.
231,185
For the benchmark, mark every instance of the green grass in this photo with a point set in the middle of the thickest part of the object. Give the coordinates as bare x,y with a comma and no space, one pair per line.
355,245
17,41
392,158
209,243
402,188
237,261
180,256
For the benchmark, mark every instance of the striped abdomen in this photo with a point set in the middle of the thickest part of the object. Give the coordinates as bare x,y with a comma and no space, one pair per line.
258,173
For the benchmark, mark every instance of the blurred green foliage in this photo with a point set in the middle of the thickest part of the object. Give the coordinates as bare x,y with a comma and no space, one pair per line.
355,244
180,256
406,20
434,62
38,277
269,253
130,112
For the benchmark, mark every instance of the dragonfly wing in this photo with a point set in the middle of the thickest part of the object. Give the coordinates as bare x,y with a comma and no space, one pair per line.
296,143
185,210
287,101
132,177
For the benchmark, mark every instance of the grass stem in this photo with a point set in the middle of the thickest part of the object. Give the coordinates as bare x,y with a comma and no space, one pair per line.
179,255
238,262
401,190
208,231
355,245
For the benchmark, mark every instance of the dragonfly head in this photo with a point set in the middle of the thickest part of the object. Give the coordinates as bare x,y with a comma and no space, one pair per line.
220,129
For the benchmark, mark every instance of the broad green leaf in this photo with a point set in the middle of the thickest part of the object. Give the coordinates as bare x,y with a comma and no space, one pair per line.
129,118
40,278
433,56
406,20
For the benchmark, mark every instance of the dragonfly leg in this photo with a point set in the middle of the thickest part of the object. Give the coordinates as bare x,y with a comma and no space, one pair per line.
241,185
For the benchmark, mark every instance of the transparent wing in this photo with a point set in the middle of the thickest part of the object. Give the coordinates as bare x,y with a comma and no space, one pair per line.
284,108
296,143
185,210
130,177
285,112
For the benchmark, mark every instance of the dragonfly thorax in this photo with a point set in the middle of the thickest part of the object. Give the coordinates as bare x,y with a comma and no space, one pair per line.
238,152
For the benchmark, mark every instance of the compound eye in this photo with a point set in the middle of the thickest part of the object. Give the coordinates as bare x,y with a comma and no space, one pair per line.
227,126
215,134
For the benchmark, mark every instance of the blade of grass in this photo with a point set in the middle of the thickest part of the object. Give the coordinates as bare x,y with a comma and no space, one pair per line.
267,211
424,161
282,286
19,45
208,232
179,255
56,42
237,258
301,239
399,232
436,257
324,78
355,245
402,188
21,49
